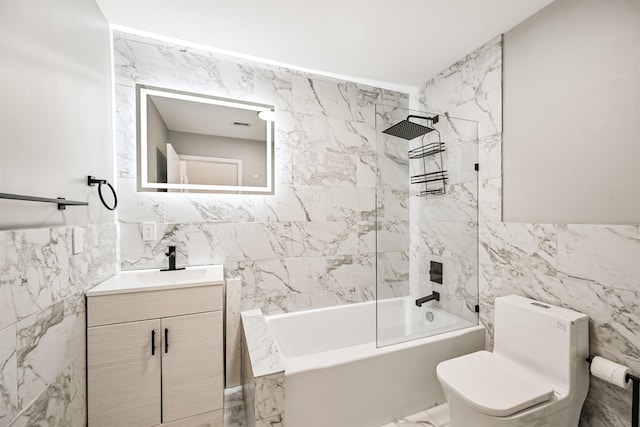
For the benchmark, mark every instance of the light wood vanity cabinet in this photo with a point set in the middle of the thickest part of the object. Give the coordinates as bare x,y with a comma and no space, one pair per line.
155,358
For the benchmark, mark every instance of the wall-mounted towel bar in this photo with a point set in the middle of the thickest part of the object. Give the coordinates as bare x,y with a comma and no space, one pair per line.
60,201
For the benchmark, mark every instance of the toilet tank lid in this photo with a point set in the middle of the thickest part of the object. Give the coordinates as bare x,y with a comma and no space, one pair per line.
492,384
538,307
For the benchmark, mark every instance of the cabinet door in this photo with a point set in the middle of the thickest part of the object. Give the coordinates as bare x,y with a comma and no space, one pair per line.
123,375
192,365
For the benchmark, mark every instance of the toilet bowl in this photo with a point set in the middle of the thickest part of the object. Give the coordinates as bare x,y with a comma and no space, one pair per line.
536,375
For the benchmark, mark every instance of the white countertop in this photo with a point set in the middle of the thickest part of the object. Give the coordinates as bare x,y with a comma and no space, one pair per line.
151,280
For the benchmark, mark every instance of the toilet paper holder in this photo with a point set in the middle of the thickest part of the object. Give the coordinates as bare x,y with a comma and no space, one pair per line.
635,405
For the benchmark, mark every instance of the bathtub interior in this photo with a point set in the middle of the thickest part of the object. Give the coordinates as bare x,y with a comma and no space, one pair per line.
400,320
336,328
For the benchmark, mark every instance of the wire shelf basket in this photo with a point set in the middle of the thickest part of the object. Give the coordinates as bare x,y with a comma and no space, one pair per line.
426,150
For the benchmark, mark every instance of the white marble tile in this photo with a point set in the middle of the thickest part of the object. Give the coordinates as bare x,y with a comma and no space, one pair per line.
8,375
366,172
392,236
272,87
193,208
136,207
48,342
318,166
269,397
440,414
34,273
445,238
96,263
460,203
266,279
490,157
613,313
125,131
292,203
490,200
234,410
391,97
208,243
61,403
306,274
351,204
259,241
248,385
392,267
180,68
395,204
605,254
523,247
331,99
348,272
233,332
330,238
349,137
263,352
393,162
138,254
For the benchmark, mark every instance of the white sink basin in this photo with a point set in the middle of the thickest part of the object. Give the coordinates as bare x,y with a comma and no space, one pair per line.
148,280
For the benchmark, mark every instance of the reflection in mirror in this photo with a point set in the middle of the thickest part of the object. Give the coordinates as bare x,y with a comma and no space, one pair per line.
196,143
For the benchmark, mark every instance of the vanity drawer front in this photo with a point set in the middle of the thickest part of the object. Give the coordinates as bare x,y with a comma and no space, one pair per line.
129,307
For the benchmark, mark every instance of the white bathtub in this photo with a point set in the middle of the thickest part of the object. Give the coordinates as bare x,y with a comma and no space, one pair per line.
335,376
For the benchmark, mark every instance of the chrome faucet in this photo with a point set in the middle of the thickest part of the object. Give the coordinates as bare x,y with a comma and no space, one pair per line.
434,296
171,254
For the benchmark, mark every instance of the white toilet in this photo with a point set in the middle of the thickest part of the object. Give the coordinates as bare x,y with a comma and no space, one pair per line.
536,376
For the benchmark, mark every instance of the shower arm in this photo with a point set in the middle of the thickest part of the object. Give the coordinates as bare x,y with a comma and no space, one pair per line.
433,119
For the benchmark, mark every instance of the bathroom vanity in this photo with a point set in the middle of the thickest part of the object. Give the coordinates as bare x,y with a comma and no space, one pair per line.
155,349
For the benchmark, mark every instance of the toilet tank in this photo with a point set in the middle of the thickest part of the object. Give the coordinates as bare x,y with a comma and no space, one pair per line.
550,341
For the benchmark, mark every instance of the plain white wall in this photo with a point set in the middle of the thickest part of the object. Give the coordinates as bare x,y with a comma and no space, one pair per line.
571,147
252,153
55,110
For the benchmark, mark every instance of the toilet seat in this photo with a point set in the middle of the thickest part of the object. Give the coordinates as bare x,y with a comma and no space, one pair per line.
492,384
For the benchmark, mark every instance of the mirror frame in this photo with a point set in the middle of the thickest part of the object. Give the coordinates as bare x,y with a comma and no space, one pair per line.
143,91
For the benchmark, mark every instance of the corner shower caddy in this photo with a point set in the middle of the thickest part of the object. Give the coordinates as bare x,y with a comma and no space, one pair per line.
406,129
438,179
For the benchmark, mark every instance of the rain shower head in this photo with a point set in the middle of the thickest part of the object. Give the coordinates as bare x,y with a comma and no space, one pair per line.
409,130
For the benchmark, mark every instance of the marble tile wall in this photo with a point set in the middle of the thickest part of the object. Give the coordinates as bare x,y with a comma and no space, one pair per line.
263,376
42,321
591,268
312,243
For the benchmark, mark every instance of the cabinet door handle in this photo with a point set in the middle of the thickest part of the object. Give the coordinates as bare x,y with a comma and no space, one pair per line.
153,342
166,340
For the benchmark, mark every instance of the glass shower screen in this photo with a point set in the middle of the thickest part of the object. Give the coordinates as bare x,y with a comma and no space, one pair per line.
426,224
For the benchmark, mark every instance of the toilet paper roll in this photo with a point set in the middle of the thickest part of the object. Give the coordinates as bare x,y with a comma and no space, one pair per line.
609,371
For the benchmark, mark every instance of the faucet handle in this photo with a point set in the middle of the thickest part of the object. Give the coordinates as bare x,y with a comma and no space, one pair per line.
171,250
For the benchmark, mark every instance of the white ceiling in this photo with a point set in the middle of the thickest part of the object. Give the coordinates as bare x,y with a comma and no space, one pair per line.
397,44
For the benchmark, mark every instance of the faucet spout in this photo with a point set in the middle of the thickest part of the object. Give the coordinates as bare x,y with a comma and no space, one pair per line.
434,296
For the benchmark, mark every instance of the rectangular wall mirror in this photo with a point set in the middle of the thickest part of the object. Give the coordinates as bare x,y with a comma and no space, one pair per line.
190,142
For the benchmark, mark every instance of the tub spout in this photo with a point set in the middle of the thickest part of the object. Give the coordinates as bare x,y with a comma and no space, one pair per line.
434,296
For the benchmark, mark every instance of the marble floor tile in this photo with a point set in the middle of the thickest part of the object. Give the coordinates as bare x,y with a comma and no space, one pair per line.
234,415
438,416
